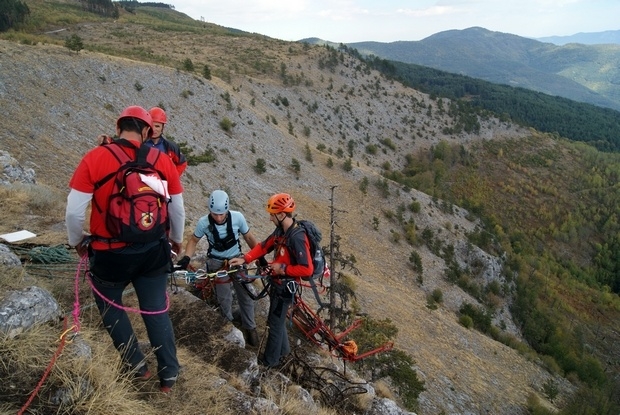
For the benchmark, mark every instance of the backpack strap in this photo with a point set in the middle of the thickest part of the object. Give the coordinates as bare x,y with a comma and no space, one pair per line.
148,155
144,154
288,236
122,157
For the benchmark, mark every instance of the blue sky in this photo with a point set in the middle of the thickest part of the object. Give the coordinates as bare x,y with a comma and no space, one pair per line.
349,21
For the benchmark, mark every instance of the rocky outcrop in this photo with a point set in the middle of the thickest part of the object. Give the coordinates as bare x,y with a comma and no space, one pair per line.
13,172
20,310
8,258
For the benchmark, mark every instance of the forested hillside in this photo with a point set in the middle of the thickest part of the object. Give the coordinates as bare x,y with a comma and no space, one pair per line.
594,125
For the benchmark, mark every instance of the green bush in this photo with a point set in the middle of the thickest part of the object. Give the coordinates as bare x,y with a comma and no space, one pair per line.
363,186
260,166
535,407
371,149
466,321
415,206
551,390
295,166
74,43
416,260
481,320
399,367
206,72
226,124
347,165
207,156
188,65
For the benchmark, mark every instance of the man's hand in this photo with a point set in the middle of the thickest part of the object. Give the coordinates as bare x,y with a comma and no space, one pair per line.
183,262
103,139
176,248
278,268
236,261
82,247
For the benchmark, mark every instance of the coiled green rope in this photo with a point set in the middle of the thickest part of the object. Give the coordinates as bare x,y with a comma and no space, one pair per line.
58,254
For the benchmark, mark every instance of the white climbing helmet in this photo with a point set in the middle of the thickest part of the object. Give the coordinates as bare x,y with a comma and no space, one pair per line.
218,202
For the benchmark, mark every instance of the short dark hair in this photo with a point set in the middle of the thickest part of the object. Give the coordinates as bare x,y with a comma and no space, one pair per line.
131,124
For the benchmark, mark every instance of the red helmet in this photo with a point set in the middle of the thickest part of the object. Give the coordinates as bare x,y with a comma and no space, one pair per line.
281,202
140,113
158,115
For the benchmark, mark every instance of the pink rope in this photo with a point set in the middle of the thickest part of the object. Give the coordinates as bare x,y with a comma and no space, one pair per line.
129,309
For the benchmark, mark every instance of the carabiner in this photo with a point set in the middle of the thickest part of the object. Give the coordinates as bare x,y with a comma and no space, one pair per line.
291,286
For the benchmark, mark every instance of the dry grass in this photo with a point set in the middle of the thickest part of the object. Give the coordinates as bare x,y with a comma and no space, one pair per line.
34,207
98,384
90,385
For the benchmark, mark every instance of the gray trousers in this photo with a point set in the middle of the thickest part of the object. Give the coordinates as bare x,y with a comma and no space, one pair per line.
224,294
112,272
277,346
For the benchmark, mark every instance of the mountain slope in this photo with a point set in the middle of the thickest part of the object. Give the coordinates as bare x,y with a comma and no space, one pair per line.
72,104
578,72
283,99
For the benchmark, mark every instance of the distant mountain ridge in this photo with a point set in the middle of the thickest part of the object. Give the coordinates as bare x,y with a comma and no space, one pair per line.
584,73
592,38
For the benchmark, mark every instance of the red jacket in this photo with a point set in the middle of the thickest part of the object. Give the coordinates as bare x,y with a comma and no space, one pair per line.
291,248
172,150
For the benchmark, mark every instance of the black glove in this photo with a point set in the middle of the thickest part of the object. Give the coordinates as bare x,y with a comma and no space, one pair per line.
183,262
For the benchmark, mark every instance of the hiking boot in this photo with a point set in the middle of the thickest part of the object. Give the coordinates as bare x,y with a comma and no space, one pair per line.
144,375
165,385
252,337
142,372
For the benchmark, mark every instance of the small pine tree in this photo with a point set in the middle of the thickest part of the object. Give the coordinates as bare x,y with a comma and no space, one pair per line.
206,72
308,153
296,166
74,43
364,185
260,166
347,165
188,65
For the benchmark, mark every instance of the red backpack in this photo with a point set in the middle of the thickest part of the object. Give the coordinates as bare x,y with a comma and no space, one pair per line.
135,211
